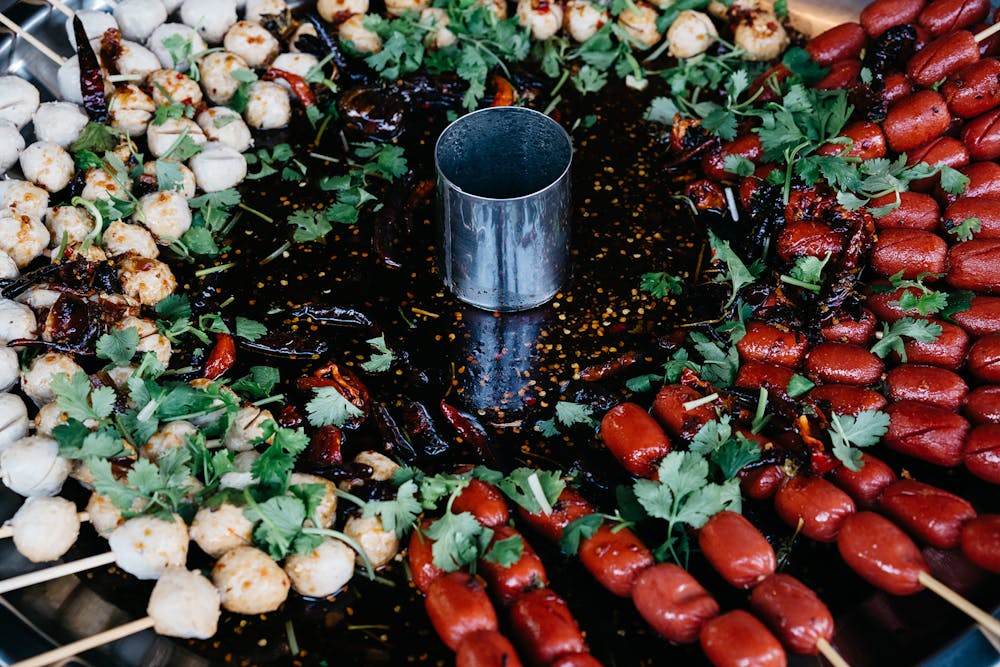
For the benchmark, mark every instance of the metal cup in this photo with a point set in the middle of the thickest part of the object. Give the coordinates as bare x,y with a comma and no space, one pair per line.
503,207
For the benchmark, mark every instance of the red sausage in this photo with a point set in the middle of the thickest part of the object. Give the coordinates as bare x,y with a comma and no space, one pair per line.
865,485
973,266
812,239
506,583
486,649
926,432
615,559
946,351
793,611
634,438
840,42
747,146
983,405
881,553
421,557
769,344
984,358
577,660
569,507
840,363
457,605
981,542
931,514
673,602
818,504
885,305
484,501
981,136
544,627
881,15
986,210
943,57
915,120
926,384
860,331
848,399
984,181
867,141
974,89
911,251
915,211
982,317
737,639
843,74
982,452
943,150
761,483
668,408
943,16
757,374
896,87
736,549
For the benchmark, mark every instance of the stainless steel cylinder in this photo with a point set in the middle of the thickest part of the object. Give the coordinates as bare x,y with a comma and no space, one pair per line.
503,207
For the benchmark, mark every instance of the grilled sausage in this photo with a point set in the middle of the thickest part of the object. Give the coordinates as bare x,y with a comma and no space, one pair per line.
668,408
506,583
983,405
942,57
577,660
421,556
984,181
982,316
769,344
615,559
843,74
982,452
896,87
981,136
885,305
984,358
793,611
930,514
737,639
981,541
757,374
865,485
944,150
943,16
974,89
746,146
819,505
881,15
841,363
926,384
915,120
761,483
736,549
856,331
972,265
634,438
485,648
867,141
847,399
911,251
915,211
881,553
946,351
673,602
457,604
544,627
484,501
840,42
569,507
926,432
808,239
986,210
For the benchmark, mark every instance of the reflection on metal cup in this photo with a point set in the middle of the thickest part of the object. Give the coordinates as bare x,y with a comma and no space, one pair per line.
503,207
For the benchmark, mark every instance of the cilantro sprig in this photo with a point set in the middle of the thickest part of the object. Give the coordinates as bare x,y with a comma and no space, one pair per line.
848,434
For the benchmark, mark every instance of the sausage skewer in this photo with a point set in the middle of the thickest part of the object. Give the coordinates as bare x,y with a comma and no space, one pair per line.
34,41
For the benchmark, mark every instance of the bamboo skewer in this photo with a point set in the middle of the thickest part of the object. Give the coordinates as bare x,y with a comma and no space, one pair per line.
31,39
87,643
987,622
987,33
831,654
8,531
61,6
56,571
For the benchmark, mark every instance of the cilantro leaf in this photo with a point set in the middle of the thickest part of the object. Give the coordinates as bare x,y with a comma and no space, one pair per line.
577,530
329,407
79,400
397,515
892,335
660,284
258,383
965,230
505,552
76,441
736,272
798,386
381,359
459,540
534,490
249,329
848,433
279,522
118,346
311,225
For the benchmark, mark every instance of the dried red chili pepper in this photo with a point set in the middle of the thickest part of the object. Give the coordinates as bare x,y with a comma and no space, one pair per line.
221,358
91,76
471,432
609,367
324,446
504,95
300,87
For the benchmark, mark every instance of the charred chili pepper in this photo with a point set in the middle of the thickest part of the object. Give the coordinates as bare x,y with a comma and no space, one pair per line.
300,87
504,95
91,76
336,315
222,357
324,446
609,367
287,344
394,438
420,426
820,461
471,432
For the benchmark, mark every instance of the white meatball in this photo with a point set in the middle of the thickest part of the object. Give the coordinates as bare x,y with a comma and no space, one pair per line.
48,165
187,183
71,223
172,5
441,37
167,31
171,87
148,280
322,572
216,75
331,10
161,138
542,17
151,340
583,19
218,167
32,467
45,528
146,546
252,42
307,29
225,126
249,582
761,36
210,19
39,297
173,435
99,184
184,604
130,110
136,59
639,22
13,413
299,64
400,7
382,466
379,545
48,417
22,237
326,512
36,382
258,9
166,214
137,19
121,237
16,321
246,428
18,100
59,122
11,145
363,40
217,530
268,106
103,514
8,269
23,198
95,24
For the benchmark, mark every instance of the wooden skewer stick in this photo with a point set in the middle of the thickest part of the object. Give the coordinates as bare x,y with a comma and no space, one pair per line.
989,623
61,6
991,638
34,41
831,654
87,643
986,34
8,531
55,572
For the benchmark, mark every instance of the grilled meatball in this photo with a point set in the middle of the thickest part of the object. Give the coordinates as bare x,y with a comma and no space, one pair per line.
23,198
162,138
218,167
363,40
131,110
95,24
137,19
48,165
379,544
146,546
249,582
252,42
210,19
18,100
103,514
165,214
216,75
13,415
148,280
36,382
167,31
120,237
225,126
326,512
11,145
184,604
218,530
268,106
322,572
22,237
173,435
45,528
69,223
16,321
172,87
32,466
